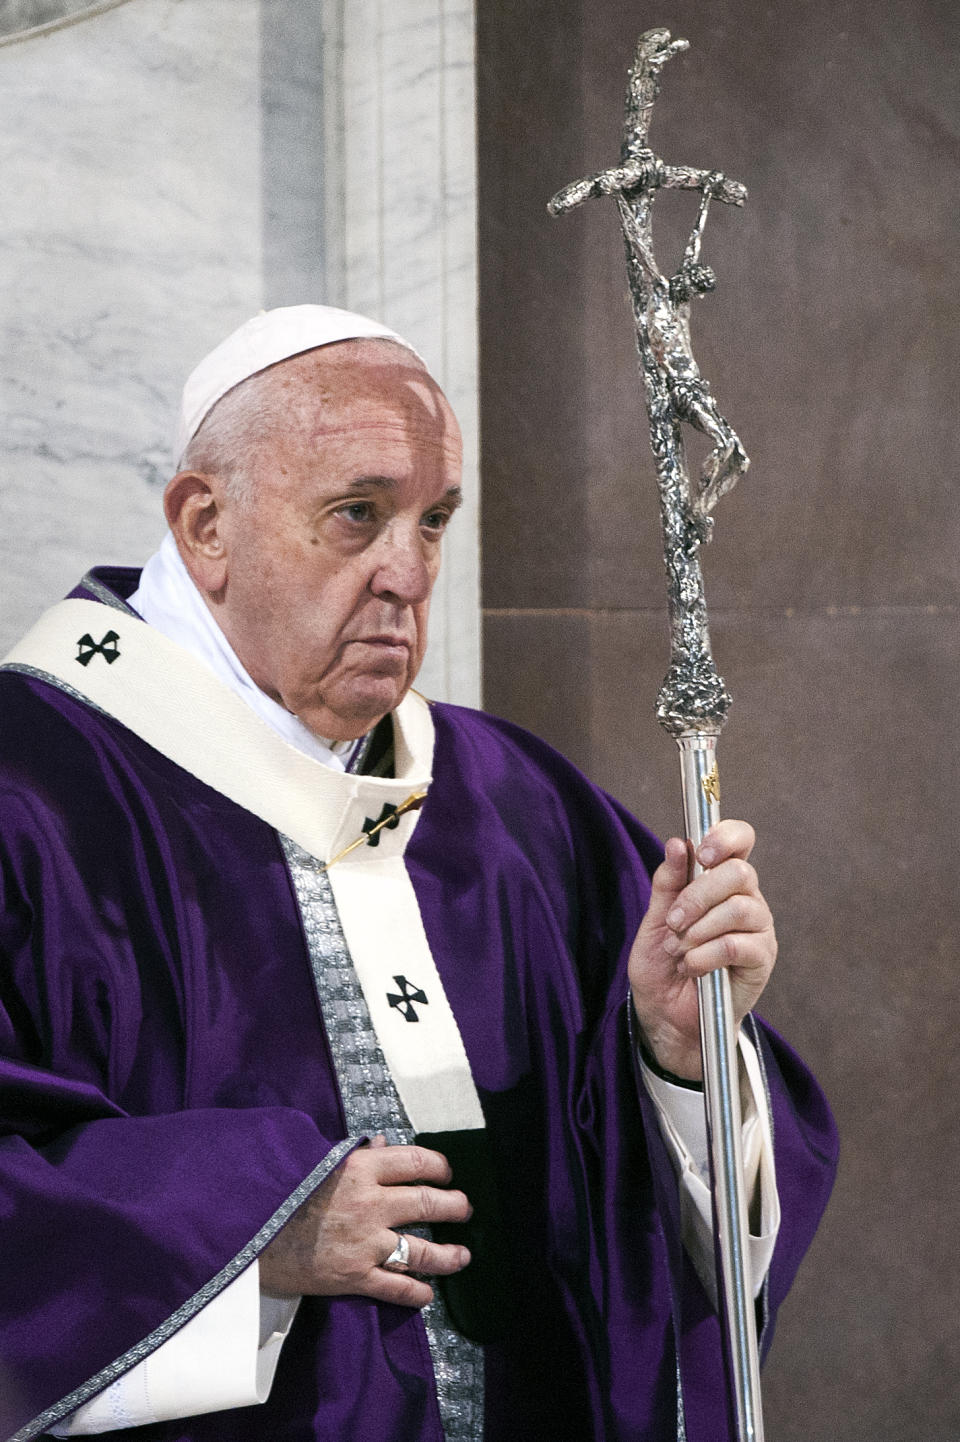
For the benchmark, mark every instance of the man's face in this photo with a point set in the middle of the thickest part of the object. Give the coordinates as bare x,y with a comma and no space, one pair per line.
330,564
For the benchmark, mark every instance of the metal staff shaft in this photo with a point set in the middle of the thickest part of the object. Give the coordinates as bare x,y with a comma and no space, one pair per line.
693,701
721,1085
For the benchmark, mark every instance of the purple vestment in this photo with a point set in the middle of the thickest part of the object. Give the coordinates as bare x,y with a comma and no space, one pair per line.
167,1093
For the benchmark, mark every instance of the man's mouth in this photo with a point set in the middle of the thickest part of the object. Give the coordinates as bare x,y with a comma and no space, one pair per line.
389,641
385,650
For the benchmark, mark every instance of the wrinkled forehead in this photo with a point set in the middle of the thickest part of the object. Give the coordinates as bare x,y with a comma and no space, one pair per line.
359,385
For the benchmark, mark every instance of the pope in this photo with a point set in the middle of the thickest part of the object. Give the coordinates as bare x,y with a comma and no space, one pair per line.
349,1061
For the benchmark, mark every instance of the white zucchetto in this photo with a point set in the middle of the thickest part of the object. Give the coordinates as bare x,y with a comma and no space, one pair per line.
271,336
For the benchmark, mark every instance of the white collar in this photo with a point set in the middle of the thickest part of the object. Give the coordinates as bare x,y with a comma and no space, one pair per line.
168,600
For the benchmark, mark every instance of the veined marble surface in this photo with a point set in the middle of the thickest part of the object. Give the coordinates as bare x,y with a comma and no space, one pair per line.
401,242
174,165
19,16
129,147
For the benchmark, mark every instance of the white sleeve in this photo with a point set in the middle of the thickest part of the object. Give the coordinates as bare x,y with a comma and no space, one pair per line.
682,1121
225,1356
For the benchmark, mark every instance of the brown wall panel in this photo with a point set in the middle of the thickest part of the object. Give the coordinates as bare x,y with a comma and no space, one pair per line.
832,345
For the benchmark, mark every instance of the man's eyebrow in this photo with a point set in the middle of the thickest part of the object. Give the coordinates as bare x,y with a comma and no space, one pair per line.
452,496
365,483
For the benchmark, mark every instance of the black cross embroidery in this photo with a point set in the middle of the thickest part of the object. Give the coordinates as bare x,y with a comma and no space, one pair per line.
87,648
407,996
387,820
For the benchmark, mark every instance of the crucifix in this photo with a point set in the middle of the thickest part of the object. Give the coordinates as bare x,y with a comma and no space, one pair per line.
693,701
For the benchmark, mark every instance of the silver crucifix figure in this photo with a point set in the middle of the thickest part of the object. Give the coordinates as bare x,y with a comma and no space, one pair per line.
693,702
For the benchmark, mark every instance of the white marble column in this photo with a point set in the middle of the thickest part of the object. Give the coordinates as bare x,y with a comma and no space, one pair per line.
401,241
171,166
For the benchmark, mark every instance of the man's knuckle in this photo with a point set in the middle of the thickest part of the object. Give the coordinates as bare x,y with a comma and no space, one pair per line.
421,1162
744,874
743,912
406,1288
432,1204
419,1207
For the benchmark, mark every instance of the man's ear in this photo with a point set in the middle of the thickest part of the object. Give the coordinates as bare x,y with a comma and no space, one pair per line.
194,506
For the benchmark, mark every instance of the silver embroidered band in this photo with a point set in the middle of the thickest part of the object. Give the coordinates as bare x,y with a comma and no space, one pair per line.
371,1105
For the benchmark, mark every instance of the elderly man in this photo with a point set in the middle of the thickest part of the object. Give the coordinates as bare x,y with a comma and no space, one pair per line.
349,1051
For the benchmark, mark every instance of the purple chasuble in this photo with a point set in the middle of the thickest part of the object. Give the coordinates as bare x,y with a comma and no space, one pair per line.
168,1096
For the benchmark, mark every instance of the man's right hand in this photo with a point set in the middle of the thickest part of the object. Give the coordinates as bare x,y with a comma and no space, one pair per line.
337,1241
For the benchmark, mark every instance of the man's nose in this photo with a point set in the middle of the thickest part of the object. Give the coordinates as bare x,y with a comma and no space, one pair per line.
403,570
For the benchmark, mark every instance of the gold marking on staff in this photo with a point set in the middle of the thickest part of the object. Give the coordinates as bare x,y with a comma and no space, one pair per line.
711,784
413,803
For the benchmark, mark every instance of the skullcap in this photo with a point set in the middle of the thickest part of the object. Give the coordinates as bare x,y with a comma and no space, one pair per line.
271,336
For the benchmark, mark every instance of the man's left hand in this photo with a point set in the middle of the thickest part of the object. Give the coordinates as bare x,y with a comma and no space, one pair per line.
719,919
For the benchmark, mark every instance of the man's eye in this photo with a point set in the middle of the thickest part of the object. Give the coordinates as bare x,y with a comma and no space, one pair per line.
436,520
357,511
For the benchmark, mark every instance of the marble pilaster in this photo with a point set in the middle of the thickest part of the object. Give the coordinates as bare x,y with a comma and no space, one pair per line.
401,241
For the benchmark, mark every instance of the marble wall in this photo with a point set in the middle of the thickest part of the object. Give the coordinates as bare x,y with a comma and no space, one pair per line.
174,166
133,241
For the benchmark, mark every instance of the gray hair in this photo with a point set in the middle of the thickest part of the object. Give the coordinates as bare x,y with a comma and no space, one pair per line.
234,434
